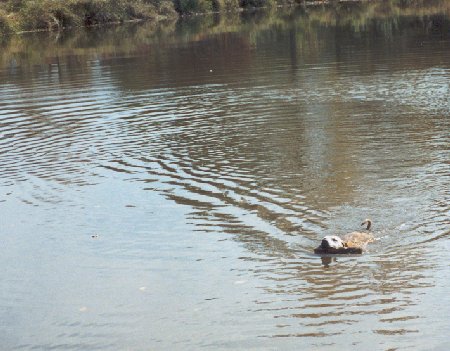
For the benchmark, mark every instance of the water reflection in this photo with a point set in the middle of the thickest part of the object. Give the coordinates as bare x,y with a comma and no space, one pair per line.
209,157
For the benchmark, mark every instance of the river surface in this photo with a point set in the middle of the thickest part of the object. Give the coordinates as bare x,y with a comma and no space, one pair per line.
163,187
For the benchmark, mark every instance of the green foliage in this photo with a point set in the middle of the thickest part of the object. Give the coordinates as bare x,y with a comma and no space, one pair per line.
193,6
257,3
225,5
166,8
4,22
14,5
57,14
20,15
102,11
47,14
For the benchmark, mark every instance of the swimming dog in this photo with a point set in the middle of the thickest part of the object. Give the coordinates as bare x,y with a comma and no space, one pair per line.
351,243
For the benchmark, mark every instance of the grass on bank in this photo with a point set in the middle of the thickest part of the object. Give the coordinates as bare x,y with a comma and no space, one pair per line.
29,15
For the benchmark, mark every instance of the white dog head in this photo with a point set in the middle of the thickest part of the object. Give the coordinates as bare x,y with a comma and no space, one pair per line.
332,241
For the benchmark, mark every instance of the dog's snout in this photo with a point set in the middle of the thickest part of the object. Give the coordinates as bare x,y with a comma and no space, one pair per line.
325,244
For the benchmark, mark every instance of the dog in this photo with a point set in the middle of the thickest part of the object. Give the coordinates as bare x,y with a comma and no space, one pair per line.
353,243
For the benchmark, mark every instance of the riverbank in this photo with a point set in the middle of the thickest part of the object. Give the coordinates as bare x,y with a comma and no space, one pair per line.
32,15
51,46
18,16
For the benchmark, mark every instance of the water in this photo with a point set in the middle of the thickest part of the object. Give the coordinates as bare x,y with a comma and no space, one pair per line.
163,187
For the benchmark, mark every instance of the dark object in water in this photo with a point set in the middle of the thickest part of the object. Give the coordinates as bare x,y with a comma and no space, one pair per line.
339,251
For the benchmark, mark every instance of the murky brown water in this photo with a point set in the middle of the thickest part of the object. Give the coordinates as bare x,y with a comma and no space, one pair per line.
208,159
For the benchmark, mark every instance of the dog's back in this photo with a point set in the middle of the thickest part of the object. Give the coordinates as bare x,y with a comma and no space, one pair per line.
358,239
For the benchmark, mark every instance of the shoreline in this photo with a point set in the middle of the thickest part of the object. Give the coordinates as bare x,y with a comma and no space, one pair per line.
19,17
29,16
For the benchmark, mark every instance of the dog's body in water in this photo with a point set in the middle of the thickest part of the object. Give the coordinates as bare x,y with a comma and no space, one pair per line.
354,242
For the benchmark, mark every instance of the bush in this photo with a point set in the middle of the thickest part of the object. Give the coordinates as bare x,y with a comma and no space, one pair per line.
141,10
166,8
14,5
103,11
4,23
47,14
193,6
257,3
225,5
95,11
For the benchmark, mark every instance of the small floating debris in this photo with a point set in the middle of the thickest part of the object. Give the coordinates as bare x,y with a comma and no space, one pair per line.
143,288
83,309
94,236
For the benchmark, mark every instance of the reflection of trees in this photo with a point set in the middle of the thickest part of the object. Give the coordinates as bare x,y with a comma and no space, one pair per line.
358,22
